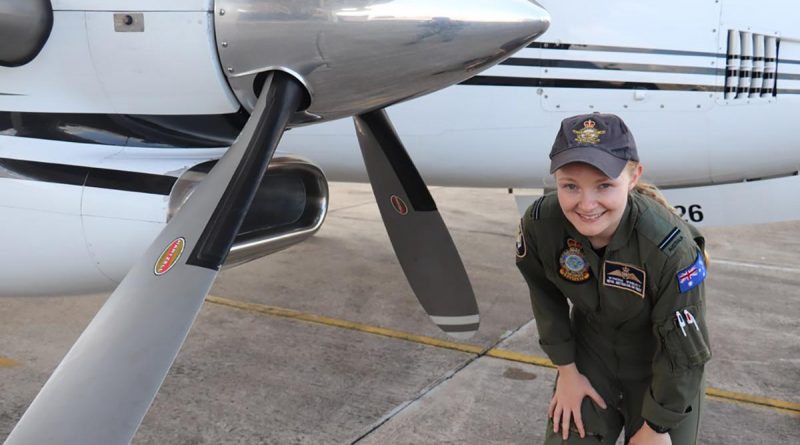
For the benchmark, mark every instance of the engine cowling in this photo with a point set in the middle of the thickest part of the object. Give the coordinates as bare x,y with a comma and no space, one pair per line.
289,207
73,229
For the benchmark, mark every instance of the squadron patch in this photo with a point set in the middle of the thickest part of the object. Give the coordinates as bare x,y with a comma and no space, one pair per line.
521,249
624,276
693,275
588,134
573,263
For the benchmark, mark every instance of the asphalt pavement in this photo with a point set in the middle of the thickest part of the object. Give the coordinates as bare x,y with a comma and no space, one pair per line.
325,343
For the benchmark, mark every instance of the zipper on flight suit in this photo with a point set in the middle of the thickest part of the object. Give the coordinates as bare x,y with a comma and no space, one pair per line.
601,303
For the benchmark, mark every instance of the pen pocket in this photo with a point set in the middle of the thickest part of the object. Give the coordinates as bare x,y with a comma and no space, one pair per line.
683,336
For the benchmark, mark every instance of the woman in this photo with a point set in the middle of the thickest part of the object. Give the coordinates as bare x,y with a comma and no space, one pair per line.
631,351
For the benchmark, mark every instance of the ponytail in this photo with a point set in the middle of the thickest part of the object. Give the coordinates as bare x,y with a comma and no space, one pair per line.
647,189
651,191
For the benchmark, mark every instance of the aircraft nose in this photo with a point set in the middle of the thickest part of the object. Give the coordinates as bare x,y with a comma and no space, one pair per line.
359,55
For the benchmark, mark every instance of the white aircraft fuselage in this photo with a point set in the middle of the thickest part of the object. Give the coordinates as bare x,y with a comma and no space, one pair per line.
662,68
97,130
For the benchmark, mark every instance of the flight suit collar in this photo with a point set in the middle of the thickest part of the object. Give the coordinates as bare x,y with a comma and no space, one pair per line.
625,228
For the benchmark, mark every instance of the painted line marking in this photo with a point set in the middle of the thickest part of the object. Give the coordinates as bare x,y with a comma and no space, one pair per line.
499,353
754,265
6,362
749,399
318,319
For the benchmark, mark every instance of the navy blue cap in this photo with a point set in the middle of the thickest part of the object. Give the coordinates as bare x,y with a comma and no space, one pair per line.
598,139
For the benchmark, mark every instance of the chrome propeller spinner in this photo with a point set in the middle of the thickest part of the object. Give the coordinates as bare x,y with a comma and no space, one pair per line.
355,56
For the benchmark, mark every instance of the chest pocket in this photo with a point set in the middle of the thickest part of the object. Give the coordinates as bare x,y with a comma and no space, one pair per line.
684,340
619,305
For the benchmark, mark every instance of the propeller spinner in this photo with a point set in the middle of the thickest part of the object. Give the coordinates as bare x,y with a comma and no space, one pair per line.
332,59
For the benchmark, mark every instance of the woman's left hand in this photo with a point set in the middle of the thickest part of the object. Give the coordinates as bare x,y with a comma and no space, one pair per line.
646,436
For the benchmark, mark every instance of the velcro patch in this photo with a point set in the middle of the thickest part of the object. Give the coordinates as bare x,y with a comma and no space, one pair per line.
674,244
624,276
693,275
521,249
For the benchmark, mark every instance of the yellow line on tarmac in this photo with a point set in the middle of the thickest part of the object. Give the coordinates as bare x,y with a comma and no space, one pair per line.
719,394
749,399
297,315
520,357
503,354
6,362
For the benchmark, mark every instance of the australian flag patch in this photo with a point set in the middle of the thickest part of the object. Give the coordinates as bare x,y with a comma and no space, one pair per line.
693,275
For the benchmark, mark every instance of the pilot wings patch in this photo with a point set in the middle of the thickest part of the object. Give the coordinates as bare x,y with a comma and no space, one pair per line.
624,276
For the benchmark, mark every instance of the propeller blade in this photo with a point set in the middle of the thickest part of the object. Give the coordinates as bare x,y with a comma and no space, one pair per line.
419,236
102,389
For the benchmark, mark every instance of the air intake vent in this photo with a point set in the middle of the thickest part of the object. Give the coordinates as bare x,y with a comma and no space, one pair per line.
751,65
770,66
757,74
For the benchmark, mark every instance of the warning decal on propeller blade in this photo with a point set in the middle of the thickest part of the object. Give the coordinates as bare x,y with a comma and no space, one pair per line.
399,205
170,256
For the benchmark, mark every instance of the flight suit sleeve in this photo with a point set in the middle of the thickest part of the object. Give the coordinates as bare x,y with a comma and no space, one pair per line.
679,325
550,307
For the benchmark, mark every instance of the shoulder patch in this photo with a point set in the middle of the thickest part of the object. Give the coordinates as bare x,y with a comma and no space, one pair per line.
693,275
521,248
671,236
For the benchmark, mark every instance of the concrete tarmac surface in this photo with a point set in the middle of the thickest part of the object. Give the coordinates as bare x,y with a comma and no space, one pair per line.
315,344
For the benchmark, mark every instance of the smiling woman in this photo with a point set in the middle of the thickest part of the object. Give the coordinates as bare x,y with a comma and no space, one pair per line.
631,351
592,201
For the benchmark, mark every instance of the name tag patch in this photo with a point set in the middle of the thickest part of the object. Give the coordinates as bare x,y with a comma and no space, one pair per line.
624,276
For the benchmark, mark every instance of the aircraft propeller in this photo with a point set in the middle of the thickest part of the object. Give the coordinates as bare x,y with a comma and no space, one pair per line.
338,60
418,234
105,384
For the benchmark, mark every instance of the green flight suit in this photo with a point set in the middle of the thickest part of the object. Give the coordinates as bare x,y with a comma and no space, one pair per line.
637,325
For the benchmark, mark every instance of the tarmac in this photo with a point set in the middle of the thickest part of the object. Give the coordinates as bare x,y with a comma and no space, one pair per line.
324,343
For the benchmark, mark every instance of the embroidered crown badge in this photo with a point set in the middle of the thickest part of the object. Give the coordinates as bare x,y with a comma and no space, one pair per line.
573,263
589,134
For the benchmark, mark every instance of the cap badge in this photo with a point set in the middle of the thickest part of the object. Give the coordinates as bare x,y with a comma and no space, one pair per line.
588,134
573,263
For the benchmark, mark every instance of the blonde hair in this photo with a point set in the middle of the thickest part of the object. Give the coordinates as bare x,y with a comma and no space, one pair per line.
647,189
651,191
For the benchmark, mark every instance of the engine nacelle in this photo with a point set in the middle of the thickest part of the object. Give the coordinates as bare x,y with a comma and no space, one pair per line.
76,225
289,207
